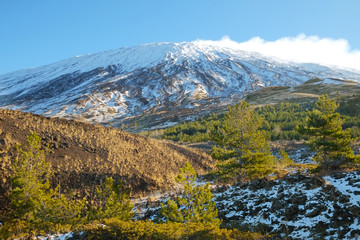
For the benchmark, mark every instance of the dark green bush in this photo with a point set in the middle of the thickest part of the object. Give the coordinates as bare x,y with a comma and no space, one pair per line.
120,230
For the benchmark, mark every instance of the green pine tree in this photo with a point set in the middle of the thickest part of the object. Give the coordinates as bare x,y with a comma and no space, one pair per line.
326,136
30,179
284,159
36,207
239,140
58,212
194,204
111,201
40,209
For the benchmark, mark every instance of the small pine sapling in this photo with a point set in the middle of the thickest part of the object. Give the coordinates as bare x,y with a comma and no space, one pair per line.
194,204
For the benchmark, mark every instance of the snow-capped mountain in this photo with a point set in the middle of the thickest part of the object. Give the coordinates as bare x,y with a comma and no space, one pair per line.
131,81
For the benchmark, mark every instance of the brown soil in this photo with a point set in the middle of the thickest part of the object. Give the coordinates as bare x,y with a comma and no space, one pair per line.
83,155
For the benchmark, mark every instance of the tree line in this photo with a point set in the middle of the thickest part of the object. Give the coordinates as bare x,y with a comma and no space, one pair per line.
279,122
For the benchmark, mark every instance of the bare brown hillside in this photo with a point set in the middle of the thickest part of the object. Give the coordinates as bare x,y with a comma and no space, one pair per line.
83,154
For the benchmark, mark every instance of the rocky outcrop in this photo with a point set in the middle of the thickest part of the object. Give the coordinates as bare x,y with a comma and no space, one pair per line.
294,207
297,206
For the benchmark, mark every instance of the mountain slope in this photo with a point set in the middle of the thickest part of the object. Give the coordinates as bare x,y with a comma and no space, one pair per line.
83,155
120,84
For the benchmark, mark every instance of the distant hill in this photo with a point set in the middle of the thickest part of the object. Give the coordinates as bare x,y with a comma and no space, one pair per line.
309,90
83,155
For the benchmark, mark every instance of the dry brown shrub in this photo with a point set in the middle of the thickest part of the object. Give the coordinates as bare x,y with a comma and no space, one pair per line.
83,155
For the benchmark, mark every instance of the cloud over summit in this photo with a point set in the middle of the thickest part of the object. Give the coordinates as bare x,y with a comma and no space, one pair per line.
302,48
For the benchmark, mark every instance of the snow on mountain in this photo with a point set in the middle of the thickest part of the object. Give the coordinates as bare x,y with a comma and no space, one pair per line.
150,78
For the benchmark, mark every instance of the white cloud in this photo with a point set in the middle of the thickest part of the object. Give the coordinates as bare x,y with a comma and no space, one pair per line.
313,49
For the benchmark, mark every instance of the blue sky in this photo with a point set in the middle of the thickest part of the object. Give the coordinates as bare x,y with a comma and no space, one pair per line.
39,32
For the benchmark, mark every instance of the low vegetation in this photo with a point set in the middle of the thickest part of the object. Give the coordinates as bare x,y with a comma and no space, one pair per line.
146,230
37,209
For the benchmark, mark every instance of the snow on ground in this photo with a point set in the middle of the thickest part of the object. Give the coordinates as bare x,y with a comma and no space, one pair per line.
307,208
297,206
56,236
349,186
